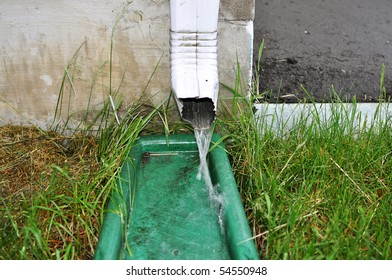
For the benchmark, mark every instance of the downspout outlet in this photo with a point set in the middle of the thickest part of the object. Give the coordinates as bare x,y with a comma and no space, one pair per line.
194,59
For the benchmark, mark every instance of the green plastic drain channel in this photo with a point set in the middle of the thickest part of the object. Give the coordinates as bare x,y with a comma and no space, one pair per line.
160,210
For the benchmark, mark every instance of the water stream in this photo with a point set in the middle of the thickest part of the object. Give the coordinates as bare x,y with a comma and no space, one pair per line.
203,139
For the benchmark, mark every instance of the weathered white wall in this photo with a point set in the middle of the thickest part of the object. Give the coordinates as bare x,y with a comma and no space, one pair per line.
39,38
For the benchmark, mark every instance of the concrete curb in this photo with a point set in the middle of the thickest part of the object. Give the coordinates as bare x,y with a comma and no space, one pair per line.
283,117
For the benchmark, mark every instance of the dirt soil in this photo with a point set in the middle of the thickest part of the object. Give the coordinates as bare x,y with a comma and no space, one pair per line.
320,43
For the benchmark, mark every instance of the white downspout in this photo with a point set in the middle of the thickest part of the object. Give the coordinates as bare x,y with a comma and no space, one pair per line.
194,64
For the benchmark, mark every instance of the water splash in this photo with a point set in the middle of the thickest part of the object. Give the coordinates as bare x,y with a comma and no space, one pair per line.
203,139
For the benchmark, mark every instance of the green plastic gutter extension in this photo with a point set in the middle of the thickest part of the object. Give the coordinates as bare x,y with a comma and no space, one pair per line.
161,211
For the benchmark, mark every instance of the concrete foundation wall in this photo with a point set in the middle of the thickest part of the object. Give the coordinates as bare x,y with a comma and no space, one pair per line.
58,47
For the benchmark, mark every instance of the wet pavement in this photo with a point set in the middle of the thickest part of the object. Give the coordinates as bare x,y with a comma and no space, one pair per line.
314,46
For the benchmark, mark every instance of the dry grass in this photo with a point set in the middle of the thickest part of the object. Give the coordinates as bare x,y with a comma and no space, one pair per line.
27,157
38,171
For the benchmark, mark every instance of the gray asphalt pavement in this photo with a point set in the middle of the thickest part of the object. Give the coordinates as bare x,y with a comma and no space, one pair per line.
320,43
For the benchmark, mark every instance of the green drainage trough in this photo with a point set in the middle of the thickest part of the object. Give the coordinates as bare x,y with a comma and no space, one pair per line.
162,211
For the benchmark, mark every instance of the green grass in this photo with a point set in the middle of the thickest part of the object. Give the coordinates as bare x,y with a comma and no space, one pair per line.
57,214
320,190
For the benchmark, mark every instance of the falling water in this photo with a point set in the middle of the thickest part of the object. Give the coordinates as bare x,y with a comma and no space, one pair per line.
203,139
